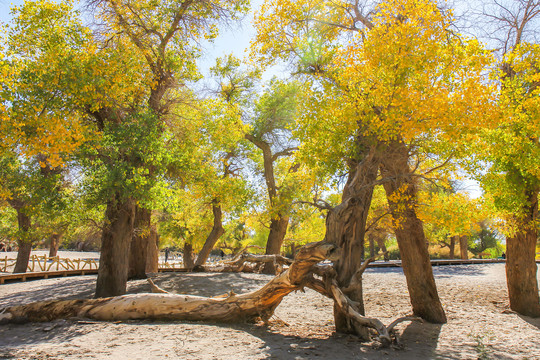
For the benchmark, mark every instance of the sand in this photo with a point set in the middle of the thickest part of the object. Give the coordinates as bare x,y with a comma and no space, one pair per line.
480,326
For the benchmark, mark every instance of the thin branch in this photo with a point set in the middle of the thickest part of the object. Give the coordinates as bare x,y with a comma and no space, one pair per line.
376,220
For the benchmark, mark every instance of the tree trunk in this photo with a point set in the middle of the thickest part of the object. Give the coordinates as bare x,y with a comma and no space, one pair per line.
363,250
115,244
371,246
521,266
463,247
345,227
401,192
280,221
278,229
188,256
140,241
54,244
24,243
452,246
213,237
23,256
152,257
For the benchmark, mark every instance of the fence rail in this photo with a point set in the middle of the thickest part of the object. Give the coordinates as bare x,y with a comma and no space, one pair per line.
39,263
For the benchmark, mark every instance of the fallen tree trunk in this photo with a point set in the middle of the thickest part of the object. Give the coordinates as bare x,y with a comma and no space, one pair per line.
254,263
250,307
249,263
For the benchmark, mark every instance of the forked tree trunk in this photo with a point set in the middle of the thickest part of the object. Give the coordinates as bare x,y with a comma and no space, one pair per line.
464,247
452,246
188,256
213,237
115,244
345,227
152,256
24,243
138,252
401,192
521,268
278,230
54,244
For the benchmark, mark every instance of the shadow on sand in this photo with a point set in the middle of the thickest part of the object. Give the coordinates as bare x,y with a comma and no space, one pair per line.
53,289
417,338
442,271
533,321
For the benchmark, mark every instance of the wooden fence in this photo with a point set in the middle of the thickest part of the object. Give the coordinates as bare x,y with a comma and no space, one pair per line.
44,263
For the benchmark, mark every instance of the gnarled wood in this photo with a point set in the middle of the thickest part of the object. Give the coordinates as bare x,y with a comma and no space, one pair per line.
251,306
345,227
246,262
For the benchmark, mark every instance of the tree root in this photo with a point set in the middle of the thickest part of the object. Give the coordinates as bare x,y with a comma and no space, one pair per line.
328,286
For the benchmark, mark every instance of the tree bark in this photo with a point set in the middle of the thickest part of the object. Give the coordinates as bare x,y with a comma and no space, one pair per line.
23,256
54,244
464,247
401,192
152,257
278,229
140,241
188,256
115,245
345,227
371,245
213,237
452,246
24,243
521,266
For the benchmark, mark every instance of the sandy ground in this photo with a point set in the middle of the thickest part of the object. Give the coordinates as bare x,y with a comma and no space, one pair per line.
474,296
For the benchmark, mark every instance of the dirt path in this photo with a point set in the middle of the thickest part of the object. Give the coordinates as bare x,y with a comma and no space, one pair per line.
474,297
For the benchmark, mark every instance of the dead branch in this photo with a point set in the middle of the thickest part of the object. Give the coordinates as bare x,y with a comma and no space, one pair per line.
246,257
156,289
